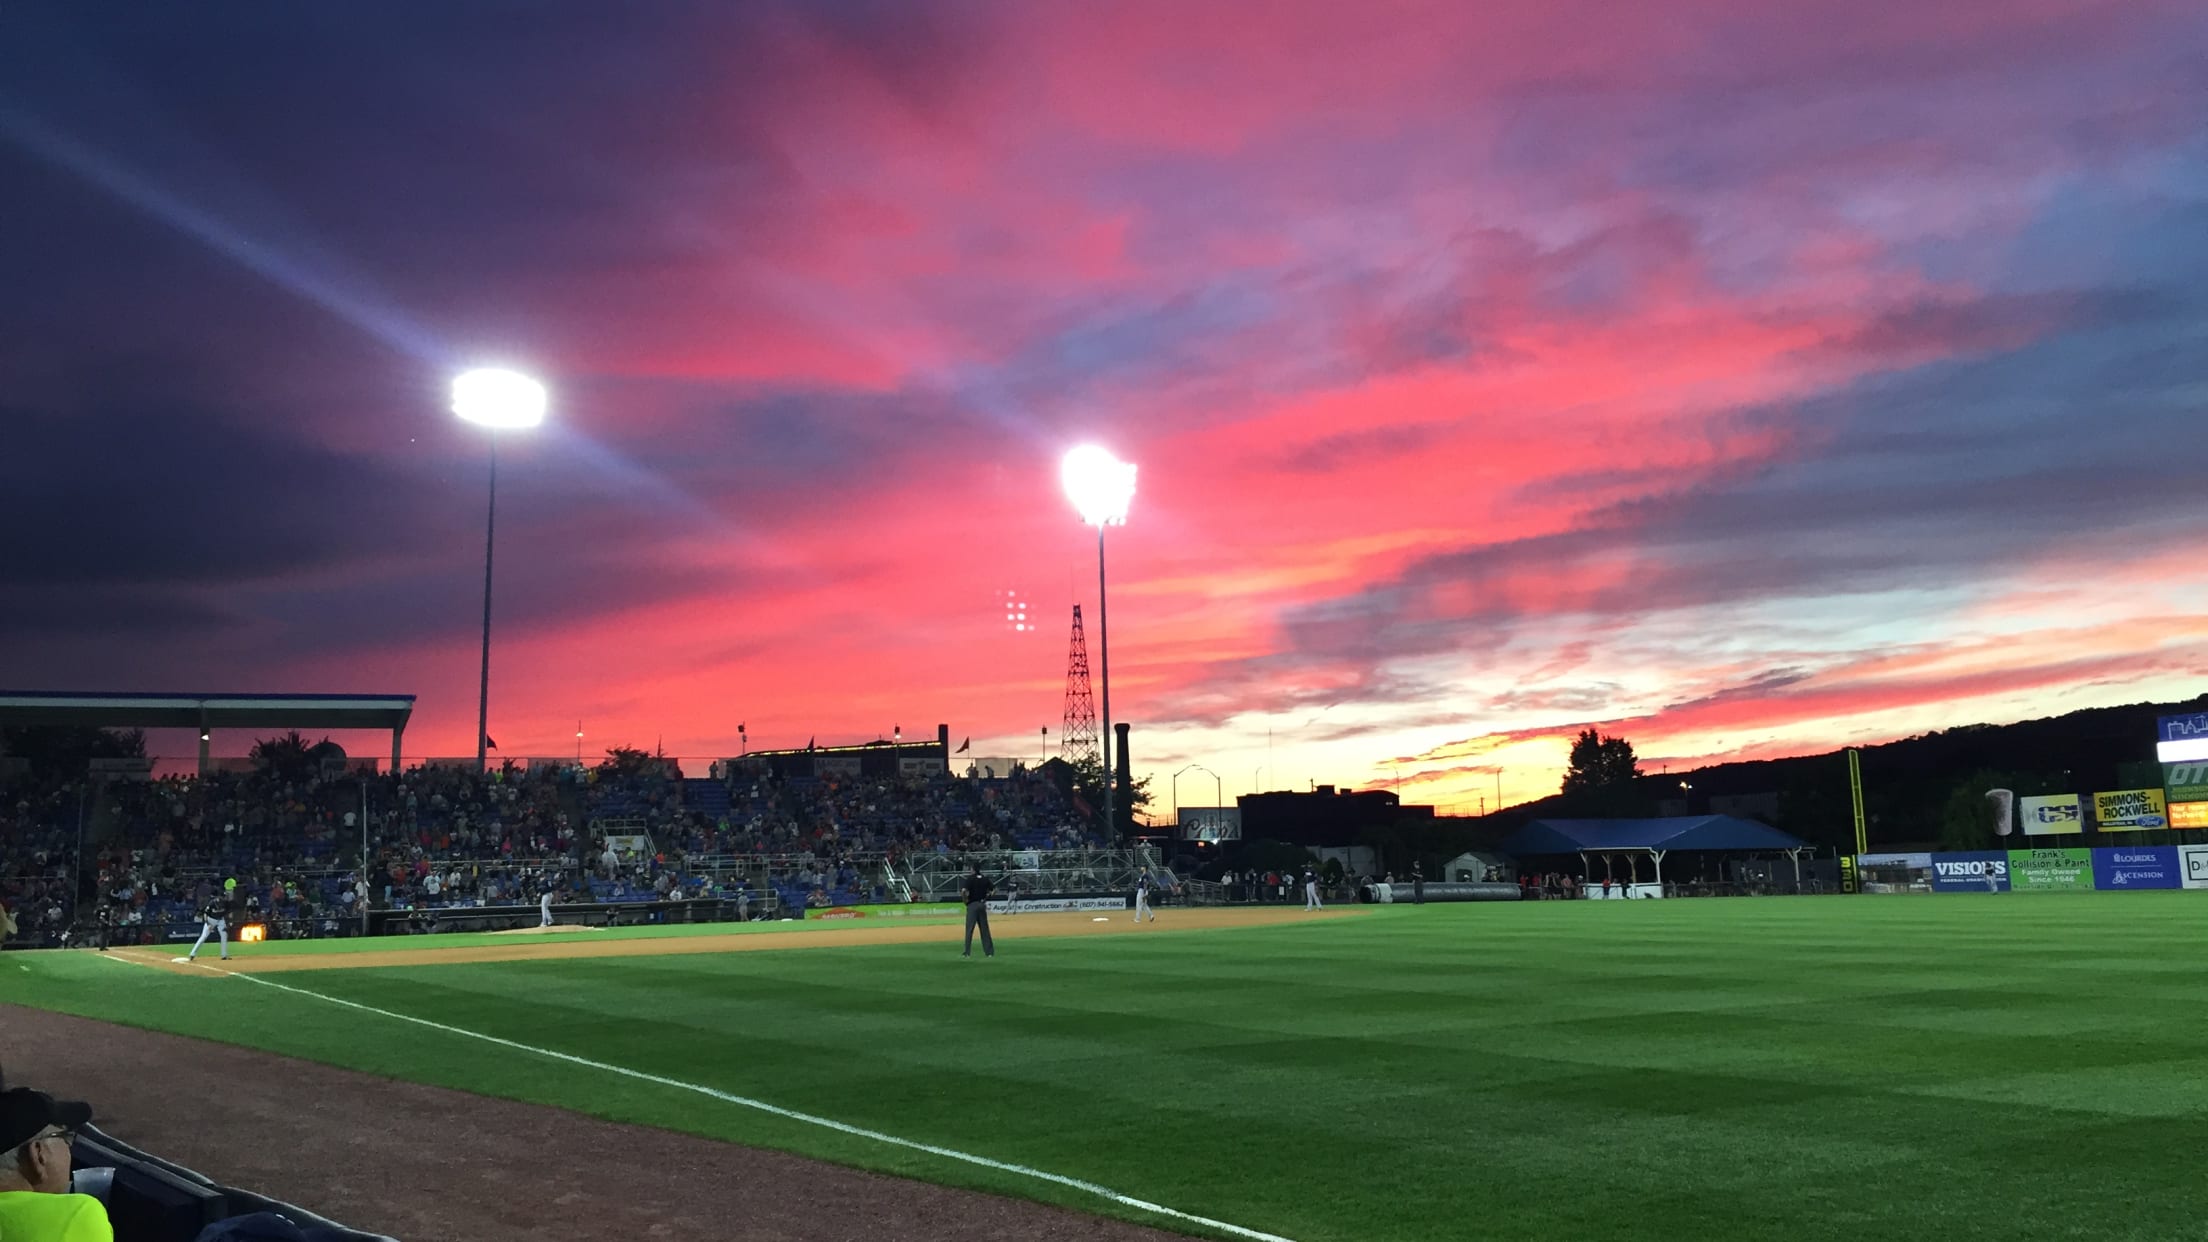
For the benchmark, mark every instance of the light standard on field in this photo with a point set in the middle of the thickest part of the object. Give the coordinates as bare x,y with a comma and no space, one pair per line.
501,401
1101,487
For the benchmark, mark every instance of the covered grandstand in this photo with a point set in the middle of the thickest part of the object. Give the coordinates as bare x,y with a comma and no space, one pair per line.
1656,838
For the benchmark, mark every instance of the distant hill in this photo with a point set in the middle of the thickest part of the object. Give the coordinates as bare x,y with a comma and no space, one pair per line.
1907,784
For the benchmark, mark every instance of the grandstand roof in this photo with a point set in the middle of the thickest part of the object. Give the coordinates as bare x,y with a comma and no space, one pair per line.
1677,832
218,711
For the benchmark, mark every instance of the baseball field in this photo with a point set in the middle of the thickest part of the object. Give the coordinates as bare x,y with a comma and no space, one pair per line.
1961,1067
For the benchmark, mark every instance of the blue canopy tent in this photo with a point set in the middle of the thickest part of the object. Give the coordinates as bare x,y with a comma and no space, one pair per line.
1653,837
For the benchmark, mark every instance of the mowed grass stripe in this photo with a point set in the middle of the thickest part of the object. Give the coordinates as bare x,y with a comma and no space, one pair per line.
1976,1067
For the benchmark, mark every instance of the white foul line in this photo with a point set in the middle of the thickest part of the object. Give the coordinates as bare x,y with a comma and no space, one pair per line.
829,1123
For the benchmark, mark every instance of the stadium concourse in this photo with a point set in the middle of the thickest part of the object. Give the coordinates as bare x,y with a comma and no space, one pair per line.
131,862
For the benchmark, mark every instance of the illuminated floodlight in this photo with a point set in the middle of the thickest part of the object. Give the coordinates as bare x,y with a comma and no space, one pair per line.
1100,485
491,397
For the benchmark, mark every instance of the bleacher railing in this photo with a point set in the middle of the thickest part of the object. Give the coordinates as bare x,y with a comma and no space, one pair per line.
936,877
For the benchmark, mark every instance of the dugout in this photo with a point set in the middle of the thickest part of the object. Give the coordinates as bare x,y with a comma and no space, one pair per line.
1657,839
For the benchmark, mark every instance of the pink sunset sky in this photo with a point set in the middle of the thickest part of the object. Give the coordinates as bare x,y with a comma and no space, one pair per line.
1745,379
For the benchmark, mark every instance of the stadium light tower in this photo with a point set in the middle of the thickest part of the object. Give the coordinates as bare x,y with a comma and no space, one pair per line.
501,401
1101,488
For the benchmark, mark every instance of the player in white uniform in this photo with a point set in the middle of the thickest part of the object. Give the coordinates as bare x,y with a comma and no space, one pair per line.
1311,890
544,904
1142,897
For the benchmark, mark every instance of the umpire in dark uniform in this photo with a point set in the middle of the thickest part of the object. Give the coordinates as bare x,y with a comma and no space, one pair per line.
976,889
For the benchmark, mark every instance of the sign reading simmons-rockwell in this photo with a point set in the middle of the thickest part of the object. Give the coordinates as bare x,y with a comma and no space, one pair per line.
2130,810
2050,815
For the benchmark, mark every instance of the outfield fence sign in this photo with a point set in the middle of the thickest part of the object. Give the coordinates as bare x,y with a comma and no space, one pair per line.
2137,866
1977,871
2192,864
2050,815
2185,782
2130,810
2051,870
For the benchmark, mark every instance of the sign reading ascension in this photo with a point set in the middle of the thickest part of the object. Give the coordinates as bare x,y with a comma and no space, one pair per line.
2130,810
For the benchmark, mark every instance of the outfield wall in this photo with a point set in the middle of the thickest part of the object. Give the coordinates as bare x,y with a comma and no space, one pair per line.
2122,868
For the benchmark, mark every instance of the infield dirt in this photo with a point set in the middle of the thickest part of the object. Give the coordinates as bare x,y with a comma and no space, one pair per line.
821,935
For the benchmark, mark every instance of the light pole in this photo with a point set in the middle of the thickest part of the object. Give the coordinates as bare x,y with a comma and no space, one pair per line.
1101,487
1177,792
501,401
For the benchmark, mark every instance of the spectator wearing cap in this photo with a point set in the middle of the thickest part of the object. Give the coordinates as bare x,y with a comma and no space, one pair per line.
35,1204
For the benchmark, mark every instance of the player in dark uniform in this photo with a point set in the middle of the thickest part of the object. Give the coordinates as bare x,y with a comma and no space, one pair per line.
214,919
975,889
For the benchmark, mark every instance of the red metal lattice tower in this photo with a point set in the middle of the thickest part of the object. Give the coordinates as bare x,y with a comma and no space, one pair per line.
1077,740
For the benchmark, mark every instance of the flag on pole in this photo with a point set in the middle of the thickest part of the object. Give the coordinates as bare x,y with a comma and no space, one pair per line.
809,742
963,746
488,744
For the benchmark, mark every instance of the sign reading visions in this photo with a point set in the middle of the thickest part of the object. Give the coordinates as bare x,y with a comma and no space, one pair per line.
2130,810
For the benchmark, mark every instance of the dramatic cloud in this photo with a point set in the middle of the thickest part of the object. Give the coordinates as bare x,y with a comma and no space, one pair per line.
1742,378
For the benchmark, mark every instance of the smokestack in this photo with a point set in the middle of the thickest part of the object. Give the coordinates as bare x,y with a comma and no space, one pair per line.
1123,801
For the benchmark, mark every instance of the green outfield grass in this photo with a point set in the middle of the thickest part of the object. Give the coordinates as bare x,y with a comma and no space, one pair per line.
1955,1067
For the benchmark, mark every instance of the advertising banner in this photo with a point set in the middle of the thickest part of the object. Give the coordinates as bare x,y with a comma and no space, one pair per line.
2192,861
1057,905
2051,870
902,910
1978,871
2137,866
2185,728
1210,823
924,766
2185,782
835,765
2130,810
1868,861
2189,815
2050,815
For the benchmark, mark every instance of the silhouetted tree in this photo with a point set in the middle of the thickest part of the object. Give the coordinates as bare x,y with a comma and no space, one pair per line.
64,750
289,756
1602,777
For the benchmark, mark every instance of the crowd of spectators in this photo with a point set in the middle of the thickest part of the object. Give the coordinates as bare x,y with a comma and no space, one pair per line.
313,851
38,837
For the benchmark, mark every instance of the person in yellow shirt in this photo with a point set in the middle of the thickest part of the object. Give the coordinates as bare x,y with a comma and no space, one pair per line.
35,1204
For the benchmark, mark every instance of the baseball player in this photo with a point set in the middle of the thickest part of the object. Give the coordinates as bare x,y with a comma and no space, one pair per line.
1311,890
1142,897
976,891
544,904
214,920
